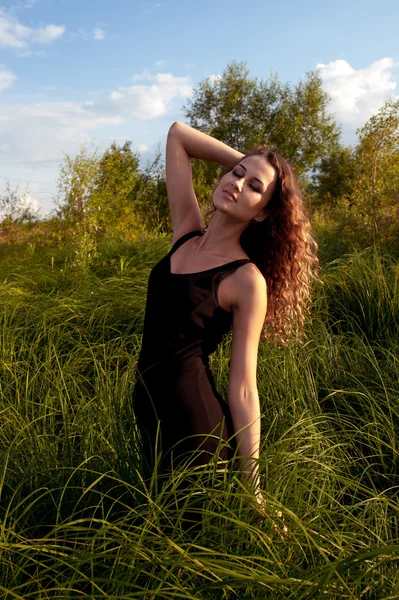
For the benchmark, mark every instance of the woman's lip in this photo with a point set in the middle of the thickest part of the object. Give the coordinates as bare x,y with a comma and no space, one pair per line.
229,195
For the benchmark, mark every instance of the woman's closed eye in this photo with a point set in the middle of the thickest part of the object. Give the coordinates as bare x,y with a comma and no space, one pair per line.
238,175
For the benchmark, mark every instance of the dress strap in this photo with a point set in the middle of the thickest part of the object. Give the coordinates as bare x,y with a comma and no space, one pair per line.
184,238
228,269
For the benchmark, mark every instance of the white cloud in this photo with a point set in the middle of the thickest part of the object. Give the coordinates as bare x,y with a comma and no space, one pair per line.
356,95
6,78
98,34
15,35
47,34
34,138
25,203
142,76
37,134
159,63
28,202
150,101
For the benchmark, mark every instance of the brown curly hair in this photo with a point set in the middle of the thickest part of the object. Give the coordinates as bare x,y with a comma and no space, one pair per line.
284,250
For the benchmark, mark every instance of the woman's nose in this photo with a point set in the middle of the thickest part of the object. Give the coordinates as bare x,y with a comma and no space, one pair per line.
235,184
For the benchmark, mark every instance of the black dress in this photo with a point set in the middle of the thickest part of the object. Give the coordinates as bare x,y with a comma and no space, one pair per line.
175,400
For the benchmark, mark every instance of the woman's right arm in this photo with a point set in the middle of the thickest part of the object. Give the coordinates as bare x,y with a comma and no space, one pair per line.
183,143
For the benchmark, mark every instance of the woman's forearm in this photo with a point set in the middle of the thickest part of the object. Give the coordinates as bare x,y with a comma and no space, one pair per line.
245,412
203,146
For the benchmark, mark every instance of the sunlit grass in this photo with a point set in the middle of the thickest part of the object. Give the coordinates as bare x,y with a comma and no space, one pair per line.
77,519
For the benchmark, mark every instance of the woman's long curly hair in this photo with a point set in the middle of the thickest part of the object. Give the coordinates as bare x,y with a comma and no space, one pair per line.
284,250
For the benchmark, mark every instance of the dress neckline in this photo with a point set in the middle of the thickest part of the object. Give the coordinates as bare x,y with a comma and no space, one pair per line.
243,260
233,262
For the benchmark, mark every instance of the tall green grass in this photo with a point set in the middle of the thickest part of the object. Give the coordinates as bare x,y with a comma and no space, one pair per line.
77,519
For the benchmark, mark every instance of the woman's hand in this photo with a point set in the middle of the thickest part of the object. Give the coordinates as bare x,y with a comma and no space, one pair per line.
259,504
259,507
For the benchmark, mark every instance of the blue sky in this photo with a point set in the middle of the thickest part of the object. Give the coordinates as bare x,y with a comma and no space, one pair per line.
76,72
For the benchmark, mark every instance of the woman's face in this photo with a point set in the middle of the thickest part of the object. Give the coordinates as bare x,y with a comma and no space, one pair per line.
251,183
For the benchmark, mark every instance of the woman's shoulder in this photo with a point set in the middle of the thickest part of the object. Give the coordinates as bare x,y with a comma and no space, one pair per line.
249,279
245,288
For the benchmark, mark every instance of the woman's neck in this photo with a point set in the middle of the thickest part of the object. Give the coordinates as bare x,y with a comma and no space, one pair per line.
221,238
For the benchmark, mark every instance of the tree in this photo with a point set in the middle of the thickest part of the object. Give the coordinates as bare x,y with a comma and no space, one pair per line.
234,108
113,192
335,177
242,112
97,196
377,167
302,130
15,209
76,182
151,203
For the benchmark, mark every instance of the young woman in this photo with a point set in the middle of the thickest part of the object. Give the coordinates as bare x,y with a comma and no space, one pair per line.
248,270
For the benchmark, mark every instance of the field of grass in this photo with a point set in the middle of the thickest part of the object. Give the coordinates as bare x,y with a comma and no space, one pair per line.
78,521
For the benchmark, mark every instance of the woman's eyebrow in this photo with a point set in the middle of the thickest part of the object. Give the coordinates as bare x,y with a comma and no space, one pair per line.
240,165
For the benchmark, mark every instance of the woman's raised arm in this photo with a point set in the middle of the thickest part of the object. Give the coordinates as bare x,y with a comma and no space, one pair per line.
185,142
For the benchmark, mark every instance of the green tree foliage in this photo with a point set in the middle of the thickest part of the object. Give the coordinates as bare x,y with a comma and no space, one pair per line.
376,193
14,209
243,112
335,177
97,197
356,192
234,108
102,187
76,183
115,185
151,199
302,130
206,175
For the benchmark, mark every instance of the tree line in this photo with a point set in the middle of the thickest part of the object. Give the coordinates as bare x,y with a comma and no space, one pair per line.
353,191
